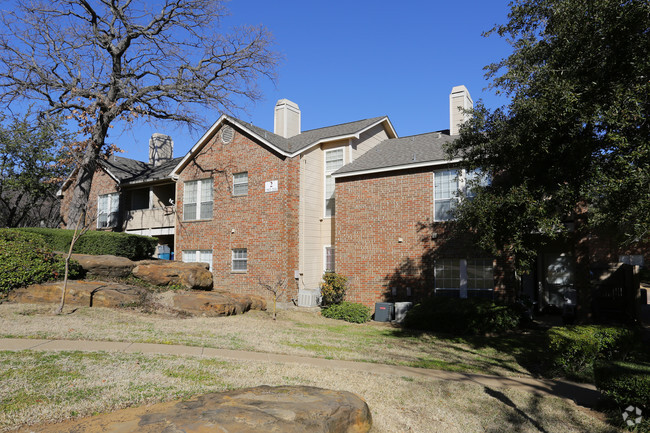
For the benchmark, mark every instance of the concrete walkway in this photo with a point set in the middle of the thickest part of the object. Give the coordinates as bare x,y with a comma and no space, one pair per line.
582,394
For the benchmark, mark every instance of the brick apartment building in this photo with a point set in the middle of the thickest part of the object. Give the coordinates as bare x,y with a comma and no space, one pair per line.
258,205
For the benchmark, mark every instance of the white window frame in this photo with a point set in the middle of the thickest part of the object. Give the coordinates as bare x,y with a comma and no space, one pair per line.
198,256
108,205
325,267
329,180
238,257
442,196
203,187
240,181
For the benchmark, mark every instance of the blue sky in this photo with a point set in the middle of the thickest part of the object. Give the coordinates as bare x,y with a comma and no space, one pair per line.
345,61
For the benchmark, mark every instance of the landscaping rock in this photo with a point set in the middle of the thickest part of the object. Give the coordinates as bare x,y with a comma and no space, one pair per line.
191,276
216,303
105,265
264,409
81,293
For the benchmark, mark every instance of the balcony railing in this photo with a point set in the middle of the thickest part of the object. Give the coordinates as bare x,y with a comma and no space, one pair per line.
149,218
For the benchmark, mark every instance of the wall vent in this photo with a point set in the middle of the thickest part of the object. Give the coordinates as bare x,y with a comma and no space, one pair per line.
227,133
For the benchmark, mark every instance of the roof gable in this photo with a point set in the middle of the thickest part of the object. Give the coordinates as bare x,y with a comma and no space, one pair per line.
288,147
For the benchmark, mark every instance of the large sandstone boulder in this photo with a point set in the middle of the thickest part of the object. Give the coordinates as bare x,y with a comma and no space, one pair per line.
81,293
105,265
191,276
216,303
264,409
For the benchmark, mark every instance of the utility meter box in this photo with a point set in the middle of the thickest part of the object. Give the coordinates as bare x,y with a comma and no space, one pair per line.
384,311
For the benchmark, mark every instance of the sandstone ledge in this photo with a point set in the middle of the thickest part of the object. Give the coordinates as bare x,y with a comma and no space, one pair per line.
264,409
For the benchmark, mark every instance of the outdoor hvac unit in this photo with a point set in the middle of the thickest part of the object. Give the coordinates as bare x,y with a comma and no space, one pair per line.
307,298
401,308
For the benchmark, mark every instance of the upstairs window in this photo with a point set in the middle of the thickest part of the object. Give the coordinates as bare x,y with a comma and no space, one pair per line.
333,161
108,210
473,179
197,200
240,183
445,189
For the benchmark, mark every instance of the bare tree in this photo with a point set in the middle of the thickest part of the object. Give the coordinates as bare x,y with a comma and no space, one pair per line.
106,61
276,288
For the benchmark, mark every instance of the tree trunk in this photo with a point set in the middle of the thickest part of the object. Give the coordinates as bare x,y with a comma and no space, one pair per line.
79,204
582,275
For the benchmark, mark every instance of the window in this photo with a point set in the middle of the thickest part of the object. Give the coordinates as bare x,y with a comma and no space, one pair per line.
330,259
240,183
140,199
447,274
474,277
198,200
480,274
333,161
108,208
473,179
445,187
198,256
240,260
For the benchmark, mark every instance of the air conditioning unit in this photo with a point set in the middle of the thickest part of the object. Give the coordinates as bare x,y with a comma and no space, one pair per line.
308,298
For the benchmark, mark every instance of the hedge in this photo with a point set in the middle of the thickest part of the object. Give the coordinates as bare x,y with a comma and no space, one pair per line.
624,383
348,311
462,316
25,258
574,349
134,247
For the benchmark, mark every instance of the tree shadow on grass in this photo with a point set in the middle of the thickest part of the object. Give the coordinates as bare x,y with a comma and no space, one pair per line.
516,422
528,348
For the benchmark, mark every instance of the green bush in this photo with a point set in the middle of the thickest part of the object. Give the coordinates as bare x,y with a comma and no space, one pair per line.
333,288
574,349
462,316
134,247
624,383
348,311
25,259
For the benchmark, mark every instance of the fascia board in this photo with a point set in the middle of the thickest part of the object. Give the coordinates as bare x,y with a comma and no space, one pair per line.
397,168
204,139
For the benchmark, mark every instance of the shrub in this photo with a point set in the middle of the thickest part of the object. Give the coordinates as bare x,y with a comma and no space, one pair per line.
348,311
574,349
624,383
134,247
333,288
25,259
462,316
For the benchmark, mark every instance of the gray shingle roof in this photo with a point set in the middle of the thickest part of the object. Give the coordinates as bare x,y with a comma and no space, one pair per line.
404,151
307,138
131,171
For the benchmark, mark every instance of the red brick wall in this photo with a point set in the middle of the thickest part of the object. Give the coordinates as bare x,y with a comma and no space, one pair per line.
372,213
102,184
266,224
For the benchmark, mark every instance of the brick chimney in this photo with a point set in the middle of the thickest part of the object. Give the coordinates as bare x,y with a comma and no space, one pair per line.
287,118
459,100
161,149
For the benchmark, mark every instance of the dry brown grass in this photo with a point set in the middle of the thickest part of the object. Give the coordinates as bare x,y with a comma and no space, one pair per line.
41,387
294,333
38,387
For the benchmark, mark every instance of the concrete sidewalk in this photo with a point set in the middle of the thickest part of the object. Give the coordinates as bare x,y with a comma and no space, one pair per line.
582,394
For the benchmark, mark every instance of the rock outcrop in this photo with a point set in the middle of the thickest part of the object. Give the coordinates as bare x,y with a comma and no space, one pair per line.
216,303
190,276
81,293
264,409
105,265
